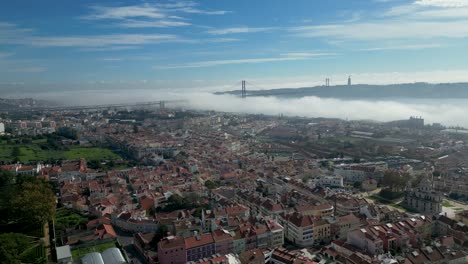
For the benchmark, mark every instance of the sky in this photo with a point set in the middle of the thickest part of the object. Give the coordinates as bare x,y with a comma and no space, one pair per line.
210,45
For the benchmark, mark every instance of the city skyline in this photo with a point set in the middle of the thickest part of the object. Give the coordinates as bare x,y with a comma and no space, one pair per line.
211,45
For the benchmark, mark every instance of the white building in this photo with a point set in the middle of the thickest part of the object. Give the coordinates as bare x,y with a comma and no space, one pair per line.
330,181
299,229
360,171
423,198
2,128
64,255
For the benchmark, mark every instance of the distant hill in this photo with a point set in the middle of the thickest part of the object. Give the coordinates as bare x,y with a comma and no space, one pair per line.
7,104
410,90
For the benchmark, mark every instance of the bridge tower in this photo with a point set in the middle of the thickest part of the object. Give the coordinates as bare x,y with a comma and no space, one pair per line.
244,91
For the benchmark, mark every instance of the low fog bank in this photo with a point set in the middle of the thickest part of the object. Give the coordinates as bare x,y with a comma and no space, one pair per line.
446,111
450,112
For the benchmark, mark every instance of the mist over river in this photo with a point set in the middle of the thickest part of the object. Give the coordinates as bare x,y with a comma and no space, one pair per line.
449,112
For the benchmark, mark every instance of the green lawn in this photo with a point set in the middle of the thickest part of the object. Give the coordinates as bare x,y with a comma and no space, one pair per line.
33,152
446,203
38,141
390,203
91,154
80,252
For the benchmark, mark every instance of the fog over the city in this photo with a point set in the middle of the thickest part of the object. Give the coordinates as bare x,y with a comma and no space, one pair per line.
450,112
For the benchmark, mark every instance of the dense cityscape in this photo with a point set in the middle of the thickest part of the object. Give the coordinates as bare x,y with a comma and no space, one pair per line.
168,185
234,132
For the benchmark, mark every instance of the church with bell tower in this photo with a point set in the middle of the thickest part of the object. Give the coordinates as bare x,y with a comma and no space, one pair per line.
423,198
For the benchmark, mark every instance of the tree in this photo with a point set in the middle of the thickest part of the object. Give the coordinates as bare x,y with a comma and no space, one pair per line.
6,178
357,185
68,132
16,152
395,181
417,180
12,245
175,202
210,184
33,202
160,234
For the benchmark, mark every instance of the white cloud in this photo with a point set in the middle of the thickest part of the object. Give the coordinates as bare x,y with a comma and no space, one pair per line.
5,54
387,29
123,12
420,19
109,42
110,48
449,112
28,69
112,59
401,10
148,15
405,47
203,64
220,40
237,30
148,11
443,3
190,7
306,54
446,13
152,24
98,40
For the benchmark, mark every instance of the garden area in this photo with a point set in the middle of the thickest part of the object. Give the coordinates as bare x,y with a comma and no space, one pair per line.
66,218
26,206
31,150
96,246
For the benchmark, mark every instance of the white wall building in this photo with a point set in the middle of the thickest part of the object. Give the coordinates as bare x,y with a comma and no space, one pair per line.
330,181
360,171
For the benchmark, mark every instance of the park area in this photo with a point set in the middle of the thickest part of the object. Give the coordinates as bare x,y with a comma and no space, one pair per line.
35,151
96,246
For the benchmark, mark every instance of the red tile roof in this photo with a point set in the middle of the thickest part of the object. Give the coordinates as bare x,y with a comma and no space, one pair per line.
198,241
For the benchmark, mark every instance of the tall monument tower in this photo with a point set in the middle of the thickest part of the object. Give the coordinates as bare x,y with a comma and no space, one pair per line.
349,80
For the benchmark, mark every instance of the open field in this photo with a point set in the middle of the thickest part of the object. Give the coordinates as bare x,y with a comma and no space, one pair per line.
33,152
91,153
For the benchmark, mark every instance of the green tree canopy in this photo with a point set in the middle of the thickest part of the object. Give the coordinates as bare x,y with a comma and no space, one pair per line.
12,245
210,184
6,178
357,185
68,132
33,202
395,181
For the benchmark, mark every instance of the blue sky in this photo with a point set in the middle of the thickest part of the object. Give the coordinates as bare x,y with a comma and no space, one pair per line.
53,45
